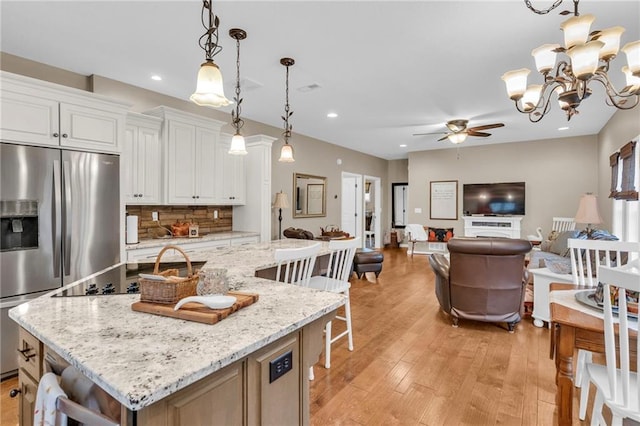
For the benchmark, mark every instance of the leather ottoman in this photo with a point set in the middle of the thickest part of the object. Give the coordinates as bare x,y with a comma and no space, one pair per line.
367,260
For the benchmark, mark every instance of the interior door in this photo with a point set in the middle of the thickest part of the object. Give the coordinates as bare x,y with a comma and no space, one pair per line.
352,196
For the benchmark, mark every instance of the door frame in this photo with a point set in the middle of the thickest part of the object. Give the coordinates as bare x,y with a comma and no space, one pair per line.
377,208
359,205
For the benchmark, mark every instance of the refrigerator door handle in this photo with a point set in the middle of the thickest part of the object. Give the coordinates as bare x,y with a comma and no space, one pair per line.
56,218
67,217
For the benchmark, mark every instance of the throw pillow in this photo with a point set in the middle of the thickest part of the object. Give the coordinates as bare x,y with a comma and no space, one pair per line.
440,234
559,246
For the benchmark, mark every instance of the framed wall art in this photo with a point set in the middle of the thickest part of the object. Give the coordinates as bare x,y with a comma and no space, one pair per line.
443,200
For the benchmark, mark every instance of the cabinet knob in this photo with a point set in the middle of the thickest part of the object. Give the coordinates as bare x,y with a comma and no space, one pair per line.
55,135
14,392
193,196
197,196
135,195
64,135
140,195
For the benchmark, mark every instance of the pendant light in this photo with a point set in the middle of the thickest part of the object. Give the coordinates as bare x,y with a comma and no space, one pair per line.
237,142
209,89
286,153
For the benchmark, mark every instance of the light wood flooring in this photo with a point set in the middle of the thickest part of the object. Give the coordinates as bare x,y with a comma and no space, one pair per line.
410,367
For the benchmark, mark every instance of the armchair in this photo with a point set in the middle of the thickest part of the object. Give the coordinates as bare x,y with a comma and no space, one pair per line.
484,280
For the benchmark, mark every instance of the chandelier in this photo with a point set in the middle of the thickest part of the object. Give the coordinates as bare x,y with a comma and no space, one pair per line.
209,90
589,58
286,153
237,142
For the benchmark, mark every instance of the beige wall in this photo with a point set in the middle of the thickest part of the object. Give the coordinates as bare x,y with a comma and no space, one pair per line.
620,129
312,156
556,172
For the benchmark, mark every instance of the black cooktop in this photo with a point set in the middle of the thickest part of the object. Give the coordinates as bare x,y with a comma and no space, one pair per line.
122,279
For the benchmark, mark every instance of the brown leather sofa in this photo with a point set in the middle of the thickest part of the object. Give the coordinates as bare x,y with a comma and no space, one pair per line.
484,280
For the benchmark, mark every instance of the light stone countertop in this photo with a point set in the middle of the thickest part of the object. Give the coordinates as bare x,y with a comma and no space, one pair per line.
141,358
214,236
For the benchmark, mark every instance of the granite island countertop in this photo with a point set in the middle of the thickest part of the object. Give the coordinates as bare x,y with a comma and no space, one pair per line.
141,358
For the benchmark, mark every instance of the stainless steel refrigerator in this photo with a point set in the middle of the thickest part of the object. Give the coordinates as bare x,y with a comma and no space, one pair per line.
60,221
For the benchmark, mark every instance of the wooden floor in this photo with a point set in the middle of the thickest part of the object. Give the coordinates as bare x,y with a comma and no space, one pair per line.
410,367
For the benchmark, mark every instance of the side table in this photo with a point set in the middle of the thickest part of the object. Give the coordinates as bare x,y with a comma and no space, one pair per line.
542,277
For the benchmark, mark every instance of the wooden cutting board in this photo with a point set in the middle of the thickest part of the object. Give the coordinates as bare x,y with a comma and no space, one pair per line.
196,311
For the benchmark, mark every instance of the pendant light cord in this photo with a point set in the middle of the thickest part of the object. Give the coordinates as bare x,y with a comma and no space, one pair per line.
287,114
235,115
209,40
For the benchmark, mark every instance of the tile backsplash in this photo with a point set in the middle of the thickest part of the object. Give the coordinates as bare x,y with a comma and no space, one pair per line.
203,216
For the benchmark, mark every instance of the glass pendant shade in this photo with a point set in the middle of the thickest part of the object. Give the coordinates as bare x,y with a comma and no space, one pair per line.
545,57
611,39
632,80
576,30
531,97
209,89
286,154
237,145
633,56
584,59
516,82
457,138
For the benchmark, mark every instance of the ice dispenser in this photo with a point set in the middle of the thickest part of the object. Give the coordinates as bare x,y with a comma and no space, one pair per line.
18,224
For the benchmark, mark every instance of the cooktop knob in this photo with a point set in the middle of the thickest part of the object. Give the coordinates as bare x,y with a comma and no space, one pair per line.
108,289
133,288
92,289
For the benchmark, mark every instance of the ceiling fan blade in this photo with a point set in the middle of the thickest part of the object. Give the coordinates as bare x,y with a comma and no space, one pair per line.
423,134
481,134
443,138
486,126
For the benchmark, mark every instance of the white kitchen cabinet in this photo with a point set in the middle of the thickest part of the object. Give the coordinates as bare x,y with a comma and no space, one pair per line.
243,241
190,145
141,160
230,171
35,112
189,246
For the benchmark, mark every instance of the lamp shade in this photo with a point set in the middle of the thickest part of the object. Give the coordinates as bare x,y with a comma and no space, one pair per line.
282,201
237,145
516,82
286,154
545,57
632,80
209,89
633,56
611,39
531,97
588,210
576,30
584,59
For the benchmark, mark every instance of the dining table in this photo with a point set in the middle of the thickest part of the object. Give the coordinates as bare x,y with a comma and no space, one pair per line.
574,326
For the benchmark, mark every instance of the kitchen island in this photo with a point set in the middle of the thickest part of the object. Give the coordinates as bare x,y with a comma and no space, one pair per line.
169,371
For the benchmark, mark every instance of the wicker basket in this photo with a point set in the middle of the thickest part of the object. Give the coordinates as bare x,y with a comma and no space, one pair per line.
172,291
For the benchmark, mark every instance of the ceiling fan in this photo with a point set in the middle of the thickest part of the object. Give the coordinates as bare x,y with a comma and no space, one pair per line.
458,131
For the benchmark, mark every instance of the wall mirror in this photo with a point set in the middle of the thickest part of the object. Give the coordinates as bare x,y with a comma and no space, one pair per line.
399,203
309,195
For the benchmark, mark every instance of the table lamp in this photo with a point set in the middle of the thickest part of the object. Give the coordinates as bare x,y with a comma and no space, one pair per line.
282,202
588,212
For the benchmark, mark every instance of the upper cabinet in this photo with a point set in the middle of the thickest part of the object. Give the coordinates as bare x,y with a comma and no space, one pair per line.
40,113
190,145
230,174
141,160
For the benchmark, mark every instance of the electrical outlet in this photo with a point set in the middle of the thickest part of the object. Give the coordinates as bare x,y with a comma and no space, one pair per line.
154,216
215,214
279,366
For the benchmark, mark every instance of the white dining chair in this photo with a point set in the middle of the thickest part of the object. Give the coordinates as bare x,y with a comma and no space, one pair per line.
562,224
616,384
295,265
336,280
586,257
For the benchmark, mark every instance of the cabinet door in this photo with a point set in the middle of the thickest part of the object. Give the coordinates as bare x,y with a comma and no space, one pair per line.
230,180
130,165
181,163
205,166
27,397
28,119
148,166
90,128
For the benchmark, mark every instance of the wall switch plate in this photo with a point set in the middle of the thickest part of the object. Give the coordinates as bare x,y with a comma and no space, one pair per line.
417,210
215,214
279,366
154,216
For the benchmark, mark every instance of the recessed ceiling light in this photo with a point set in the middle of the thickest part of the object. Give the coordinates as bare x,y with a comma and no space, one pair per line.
563,128
404,145
156,77
332,115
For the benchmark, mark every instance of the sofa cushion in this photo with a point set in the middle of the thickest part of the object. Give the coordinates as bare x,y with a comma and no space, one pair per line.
440,234
559,245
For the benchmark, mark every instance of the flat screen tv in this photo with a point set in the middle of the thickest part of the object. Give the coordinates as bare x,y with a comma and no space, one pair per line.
493,199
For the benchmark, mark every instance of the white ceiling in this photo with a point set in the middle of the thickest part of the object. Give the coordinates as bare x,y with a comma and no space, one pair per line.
389,69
